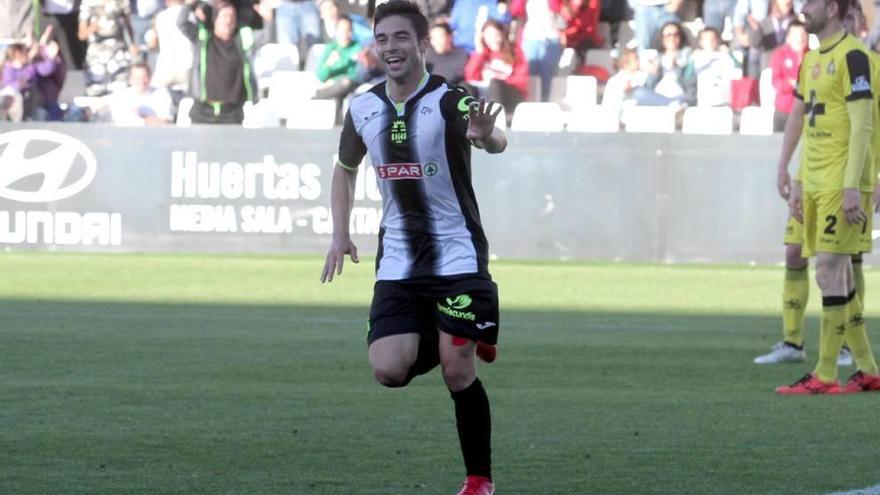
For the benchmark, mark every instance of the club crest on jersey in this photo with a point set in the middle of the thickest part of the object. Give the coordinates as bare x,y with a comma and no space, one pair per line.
817,70
831,68
398,131
398,171
861,84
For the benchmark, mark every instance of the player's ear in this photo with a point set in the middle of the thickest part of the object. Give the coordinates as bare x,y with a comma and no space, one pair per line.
423,45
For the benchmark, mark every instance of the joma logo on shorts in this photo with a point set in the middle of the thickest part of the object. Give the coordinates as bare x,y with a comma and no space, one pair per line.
397,171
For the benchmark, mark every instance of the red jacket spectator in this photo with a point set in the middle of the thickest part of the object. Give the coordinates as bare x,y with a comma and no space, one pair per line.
785,64
582,24
485,65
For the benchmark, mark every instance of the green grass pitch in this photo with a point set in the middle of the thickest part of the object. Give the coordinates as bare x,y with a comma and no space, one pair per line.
244,375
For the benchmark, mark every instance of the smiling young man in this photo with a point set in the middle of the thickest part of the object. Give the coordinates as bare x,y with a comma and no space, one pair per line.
434,301
831,196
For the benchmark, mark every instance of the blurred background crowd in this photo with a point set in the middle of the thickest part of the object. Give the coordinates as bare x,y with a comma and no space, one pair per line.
270,62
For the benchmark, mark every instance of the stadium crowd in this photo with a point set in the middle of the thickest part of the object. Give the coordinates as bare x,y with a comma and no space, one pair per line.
154,62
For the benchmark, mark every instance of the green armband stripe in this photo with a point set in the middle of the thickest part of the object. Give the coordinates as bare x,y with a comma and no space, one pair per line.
346,167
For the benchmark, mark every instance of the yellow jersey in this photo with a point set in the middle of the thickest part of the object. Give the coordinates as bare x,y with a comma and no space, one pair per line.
840,71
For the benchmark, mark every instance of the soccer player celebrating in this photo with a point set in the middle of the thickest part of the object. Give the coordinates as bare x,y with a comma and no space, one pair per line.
434,301
835,109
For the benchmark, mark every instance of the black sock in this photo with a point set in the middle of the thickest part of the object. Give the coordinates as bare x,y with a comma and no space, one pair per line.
474,428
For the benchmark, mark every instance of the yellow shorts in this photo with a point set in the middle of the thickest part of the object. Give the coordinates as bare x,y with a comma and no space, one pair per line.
825,227
794,232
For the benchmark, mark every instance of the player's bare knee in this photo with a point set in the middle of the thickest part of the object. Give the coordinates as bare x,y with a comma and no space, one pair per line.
458,377
391,376
794,257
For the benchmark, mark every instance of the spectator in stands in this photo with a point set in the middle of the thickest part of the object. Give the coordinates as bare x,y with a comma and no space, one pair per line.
106,24
142,15
716,12
19,80
435,10
785,63
222,79
647,15
540,38
140,105
629,77
337,67
498,68
175,58
362,33
650,16
18,20
747,18
775,26
443,58
51,73
32,79
670,81
467,19
298,22
713,64
582,27
62,15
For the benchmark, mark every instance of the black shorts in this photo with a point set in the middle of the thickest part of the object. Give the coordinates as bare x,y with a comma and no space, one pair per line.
462,306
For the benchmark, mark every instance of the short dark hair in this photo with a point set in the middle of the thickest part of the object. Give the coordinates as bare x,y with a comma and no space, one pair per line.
406,9
442,25
794,25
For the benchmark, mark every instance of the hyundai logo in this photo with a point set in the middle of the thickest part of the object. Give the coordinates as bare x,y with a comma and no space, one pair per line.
39,166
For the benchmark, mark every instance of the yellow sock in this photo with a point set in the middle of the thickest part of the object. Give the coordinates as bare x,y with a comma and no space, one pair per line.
860,281
795,294
857,338
835,321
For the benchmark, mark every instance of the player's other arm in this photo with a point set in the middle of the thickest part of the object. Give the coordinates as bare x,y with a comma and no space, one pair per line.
859,106
351,152
794,127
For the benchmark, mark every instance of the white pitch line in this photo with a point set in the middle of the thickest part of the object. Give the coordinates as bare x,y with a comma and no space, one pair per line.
871,490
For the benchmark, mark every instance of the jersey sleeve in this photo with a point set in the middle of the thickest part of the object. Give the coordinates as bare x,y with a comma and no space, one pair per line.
454,106
351,146
858,76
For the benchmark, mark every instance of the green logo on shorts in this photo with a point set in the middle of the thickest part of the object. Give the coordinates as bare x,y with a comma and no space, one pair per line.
459,302
455,305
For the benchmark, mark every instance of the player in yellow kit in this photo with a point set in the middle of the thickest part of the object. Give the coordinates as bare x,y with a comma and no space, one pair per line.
831,196
796,285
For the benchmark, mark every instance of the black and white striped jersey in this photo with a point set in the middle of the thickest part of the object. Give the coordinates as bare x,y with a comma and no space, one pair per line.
430,222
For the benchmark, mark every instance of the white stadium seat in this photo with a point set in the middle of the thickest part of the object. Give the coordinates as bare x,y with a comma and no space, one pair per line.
287,87
765,88
580,91
649,119
756,121
594,119
599,118
707,120
259,116
312,114
276,56
538,117
183,108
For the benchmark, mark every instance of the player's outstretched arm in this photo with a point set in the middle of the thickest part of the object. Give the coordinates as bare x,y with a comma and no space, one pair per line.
481,126
341,201
794,126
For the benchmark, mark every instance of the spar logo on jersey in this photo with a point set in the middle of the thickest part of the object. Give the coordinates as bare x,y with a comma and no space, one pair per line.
400,171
